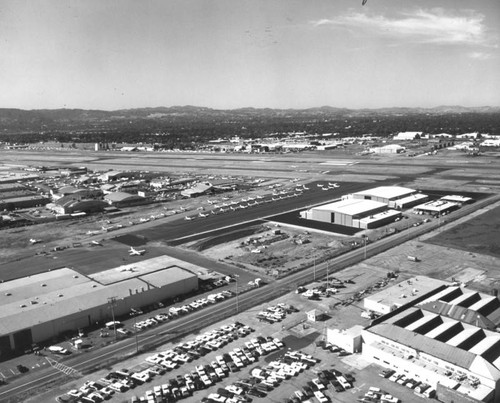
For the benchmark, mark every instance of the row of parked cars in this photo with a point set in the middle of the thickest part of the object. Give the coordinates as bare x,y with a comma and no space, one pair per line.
157,364
276,313
175,312
419,388
376,395
200,346
204,376
262,380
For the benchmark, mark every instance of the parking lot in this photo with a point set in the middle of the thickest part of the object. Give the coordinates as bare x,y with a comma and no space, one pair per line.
224,357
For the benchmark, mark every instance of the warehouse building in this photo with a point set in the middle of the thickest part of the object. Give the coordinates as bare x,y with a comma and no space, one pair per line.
392,196
436,207
40,307
356,213
123,199
443,339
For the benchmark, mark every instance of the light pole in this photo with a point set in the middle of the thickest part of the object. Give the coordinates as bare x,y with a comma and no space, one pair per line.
135,332
112,303
327,280
236,292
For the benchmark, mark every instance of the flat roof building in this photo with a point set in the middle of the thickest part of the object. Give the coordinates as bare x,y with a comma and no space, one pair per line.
39,307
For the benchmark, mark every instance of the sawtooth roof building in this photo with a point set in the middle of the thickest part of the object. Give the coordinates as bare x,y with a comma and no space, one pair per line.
445,338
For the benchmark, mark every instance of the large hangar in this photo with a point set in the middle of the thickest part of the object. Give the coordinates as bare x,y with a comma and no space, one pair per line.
356,213
40,307
444,338
392,196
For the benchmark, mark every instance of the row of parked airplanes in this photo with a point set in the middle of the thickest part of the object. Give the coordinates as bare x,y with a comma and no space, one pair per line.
132,251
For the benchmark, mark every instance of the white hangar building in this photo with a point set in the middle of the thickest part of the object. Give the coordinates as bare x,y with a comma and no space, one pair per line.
37,308
356,213
444,339
392,196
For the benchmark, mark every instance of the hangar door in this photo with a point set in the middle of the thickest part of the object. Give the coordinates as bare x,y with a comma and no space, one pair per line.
4,346
23,340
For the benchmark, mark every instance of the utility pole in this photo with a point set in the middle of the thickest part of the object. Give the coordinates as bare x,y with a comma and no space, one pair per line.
136,331
314,271
112,304
327,269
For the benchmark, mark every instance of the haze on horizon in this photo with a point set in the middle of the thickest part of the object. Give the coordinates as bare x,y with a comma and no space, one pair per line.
227,54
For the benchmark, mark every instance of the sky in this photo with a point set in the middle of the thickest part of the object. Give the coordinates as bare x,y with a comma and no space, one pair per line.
226,54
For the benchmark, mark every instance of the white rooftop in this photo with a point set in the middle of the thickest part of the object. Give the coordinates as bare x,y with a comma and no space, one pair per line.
351,206
388,192
142,268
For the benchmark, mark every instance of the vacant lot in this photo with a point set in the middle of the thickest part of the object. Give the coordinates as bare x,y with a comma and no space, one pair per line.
478,235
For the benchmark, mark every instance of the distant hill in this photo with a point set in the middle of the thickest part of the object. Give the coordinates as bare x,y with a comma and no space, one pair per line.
182,126
47,116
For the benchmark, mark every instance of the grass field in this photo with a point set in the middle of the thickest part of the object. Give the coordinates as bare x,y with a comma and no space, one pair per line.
479,235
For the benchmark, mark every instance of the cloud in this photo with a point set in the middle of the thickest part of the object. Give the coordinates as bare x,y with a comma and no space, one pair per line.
480,55
421,26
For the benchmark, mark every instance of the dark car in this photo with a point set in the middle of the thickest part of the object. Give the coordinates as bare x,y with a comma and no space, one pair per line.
22,369
256,392
349,378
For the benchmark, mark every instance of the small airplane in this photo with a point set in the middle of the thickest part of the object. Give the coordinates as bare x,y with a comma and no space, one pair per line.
304,187
202,215
92,232
97,243
135,252
335,185
188,217
319,185
34,241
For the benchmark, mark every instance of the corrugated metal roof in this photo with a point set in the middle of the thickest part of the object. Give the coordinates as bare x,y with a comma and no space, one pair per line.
424,344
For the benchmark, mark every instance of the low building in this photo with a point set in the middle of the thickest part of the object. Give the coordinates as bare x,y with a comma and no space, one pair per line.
436,207
407,136
123,199
39,307
348,339
392,196
401,294
198,189
388,149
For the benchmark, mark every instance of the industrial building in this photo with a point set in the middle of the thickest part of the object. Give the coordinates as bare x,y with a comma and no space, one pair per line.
123,199
352,213
436,207
40,307
441,336
392,196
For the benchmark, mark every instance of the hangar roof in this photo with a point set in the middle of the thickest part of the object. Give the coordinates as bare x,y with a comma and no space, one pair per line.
120,196
142,268
171,275
406,291
352,206
387,192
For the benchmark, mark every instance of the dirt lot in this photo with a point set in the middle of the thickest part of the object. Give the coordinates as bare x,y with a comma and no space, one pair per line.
274,250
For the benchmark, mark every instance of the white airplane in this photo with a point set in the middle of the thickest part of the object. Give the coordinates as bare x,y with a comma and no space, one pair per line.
319,185
202,215
34,241
188,217
144,220
304,187
97,243
92,232
135,252
325,188
335,185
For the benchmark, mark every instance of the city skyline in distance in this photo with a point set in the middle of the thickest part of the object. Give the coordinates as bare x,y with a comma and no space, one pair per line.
227,55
